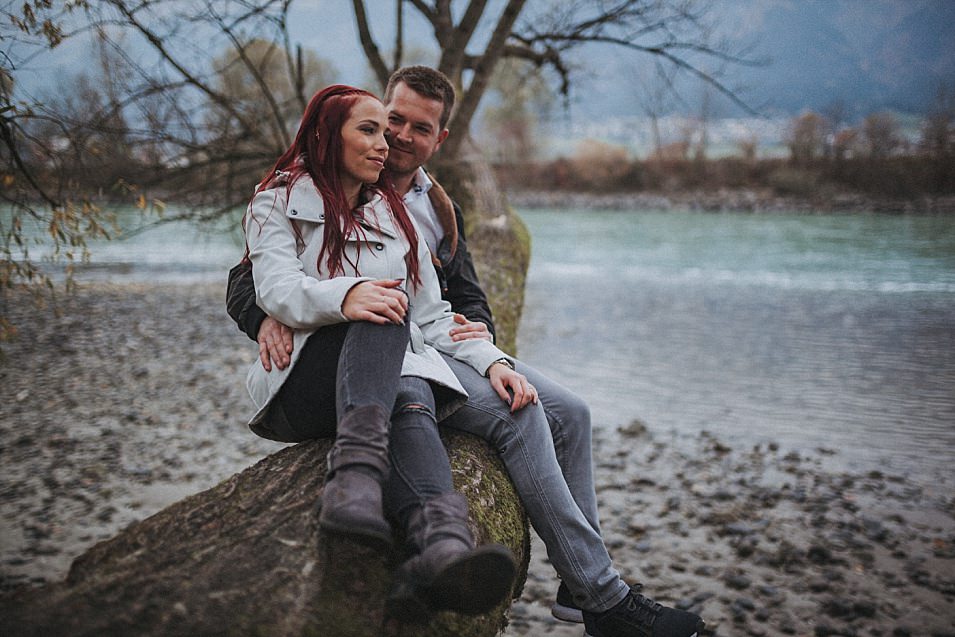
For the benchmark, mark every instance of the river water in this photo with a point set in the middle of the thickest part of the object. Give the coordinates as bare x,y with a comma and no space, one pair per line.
832,332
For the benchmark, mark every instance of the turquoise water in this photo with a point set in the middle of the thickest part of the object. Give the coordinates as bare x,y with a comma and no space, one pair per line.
814,331
146,247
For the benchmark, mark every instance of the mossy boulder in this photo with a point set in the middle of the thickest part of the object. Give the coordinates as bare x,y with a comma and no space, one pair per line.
247,558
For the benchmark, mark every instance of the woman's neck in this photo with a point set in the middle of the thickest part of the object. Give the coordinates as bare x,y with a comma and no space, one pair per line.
352,192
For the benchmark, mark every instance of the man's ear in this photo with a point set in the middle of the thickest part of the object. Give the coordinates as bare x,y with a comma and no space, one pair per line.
443,135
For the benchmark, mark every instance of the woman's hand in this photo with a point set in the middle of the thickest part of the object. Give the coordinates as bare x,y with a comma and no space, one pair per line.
504,378
380,302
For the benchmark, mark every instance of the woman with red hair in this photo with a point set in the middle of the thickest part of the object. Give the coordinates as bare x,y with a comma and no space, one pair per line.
336,257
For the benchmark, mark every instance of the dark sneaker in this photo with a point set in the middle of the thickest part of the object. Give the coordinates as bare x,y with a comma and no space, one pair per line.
639,616
565,608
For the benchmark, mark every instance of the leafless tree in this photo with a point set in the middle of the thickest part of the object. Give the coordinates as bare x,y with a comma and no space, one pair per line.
806,136
676,32
520,97
835,116
938,129
655,93
214,97
881,134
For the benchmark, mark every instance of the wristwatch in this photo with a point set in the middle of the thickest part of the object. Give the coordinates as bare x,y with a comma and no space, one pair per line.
502,361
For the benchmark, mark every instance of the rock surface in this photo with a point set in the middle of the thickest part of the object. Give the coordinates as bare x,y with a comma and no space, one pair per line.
247,558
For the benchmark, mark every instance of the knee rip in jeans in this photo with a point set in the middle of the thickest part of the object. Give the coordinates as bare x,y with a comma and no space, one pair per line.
410,408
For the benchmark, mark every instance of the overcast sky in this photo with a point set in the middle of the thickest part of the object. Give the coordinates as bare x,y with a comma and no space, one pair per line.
873,54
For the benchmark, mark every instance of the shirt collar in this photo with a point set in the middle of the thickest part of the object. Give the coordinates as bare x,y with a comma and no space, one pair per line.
420,185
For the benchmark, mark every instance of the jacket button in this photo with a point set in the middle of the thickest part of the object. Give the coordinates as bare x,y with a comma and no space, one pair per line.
294,211
321,217
379,246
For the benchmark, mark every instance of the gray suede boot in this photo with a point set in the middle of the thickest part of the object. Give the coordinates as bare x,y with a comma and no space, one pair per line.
449,573
357,467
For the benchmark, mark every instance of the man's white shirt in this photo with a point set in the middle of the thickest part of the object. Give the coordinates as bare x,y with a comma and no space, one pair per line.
419,206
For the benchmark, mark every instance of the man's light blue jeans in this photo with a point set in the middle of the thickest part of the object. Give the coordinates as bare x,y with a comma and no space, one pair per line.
546,449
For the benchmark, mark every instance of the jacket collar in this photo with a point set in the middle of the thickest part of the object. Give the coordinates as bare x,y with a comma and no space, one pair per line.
444,210
305,203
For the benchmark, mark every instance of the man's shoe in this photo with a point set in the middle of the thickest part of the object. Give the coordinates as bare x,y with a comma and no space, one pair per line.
565,608
639,616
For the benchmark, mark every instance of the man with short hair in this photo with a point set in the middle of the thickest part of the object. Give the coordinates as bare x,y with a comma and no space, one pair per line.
546,447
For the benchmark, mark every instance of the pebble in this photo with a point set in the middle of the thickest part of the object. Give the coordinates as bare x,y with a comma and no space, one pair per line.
686,516
738,581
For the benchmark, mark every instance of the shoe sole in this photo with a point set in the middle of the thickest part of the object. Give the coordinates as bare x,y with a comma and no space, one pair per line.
366,537
696,634
567,614
476,583
473,585
699,629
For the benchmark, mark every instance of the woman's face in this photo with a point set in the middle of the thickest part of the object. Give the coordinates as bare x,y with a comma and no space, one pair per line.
364,149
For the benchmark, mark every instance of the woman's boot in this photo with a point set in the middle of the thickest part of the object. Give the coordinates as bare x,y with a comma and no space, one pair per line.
449,573
357,467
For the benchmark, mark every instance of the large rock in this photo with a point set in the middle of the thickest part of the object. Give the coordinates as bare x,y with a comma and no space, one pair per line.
247,558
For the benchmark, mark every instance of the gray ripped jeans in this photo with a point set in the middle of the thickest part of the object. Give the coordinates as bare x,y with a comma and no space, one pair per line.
547,451
349,365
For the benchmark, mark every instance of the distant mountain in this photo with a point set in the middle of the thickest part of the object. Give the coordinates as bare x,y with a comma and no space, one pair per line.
917,57
812,62
871,55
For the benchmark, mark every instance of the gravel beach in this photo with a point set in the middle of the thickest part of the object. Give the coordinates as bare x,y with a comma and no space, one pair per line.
124,399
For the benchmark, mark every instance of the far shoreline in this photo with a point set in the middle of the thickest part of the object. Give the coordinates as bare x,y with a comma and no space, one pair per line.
731,200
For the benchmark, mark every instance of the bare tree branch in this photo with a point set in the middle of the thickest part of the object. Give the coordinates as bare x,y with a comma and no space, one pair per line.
453,52
368,44
547,57
399,32
278,125
160,48
7,134
482,74
427,11
443,23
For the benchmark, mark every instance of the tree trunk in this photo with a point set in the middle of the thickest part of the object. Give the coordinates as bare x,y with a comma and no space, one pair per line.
497,238
247,558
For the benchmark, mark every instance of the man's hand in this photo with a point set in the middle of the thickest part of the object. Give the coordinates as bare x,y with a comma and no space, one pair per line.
504,378
380,302
275,344
469,329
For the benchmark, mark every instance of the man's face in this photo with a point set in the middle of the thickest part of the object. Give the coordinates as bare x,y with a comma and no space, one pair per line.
414,130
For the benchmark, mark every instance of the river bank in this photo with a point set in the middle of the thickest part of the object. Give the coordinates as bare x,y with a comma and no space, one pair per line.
731,200
131,397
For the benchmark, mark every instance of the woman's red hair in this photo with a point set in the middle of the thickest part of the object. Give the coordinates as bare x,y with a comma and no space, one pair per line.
317,151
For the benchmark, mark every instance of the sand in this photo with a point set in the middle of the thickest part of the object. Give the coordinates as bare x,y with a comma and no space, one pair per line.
126,398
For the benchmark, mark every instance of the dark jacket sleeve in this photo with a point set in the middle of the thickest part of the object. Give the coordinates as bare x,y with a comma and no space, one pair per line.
240,300
462,289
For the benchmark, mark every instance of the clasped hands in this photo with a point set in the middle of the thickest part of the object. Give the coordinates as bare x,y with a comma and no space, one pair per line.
381,302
